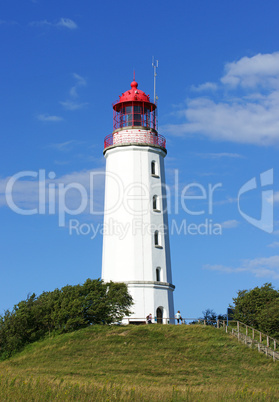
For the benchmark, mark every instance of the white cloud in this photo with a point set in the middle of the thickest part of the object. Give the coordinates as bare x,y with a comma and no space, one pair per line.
26,190
237,122
246,112
220,155
259,267
62,23
81,82
41,23
65,146
71,105
262,69
66,23
228,200
274,244
230,224
208,86
274,199
46,117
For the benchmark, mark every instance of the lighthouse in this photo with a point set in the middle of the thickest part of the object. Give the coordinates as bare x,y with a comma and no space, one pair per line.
136,247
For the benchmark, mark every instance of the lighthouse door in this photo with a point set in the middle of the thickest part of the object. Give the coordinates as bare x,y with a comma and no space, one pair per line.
159,314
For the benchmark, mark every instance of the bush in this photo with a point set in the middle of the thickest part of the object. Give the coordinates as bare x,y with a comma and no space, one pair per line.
65,310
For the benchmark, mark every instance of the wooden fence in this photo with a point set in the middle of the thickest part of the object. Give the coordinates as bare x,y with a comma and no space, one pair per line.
251,337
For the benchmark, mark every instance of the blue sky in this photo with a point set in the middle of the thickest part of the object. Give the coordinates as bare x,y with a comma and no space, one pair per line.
62,65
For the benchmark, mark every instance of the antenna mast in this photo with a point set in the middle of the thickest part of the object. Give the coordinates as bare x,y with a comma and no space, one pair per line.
155,64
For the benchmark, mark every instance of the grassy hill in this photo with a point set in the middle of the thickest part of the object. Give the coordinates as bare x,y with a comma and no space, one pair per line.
150,362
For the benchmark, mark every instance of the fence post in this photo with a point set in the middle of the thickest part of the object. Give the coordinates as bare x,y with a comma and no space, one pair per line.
246,330
267,341
260,337
204,322
274,344
237,326
253,334
218,324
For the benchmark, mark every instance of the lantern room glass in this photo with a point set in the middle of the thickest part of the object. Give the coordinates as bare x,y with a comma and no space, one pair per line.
134,115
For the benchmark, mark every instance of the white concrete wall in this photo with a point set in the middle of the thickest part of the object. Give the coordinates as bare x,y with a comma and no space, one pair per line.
129,253
148,297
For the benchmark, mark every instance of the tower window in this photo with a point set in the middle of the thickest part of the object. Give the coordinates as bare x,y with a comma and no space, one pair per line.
157,239
154,169
138,116
158,274
156,206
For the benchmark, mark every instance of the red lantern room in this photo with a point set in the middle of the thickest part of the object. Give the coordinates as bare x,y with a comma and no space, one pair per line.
134,121
134,109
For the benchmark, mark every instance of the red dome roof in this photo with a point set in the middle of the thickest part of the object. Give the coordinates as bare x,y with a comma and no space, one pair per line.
134,94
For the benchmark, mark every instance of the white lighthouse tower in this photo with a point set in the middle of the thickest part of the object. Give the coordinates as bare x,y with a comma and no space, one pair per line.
136,246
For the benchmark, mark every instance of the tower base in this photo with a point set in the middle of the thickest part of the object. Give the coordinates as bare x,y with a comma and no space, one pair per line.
150,297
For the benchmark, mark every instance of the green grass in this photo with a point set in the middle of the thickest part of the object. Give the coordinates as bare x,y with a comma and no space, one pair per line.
149,362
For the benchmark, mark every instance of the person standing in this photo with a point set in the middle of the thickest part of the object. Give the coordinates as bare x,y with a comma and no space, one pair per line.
149,318
178,317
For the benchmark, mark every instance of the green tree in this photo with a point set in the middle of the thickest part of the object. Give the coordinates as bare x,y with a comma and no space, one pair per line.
64,310
119,302
258,308
210,316
269,318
